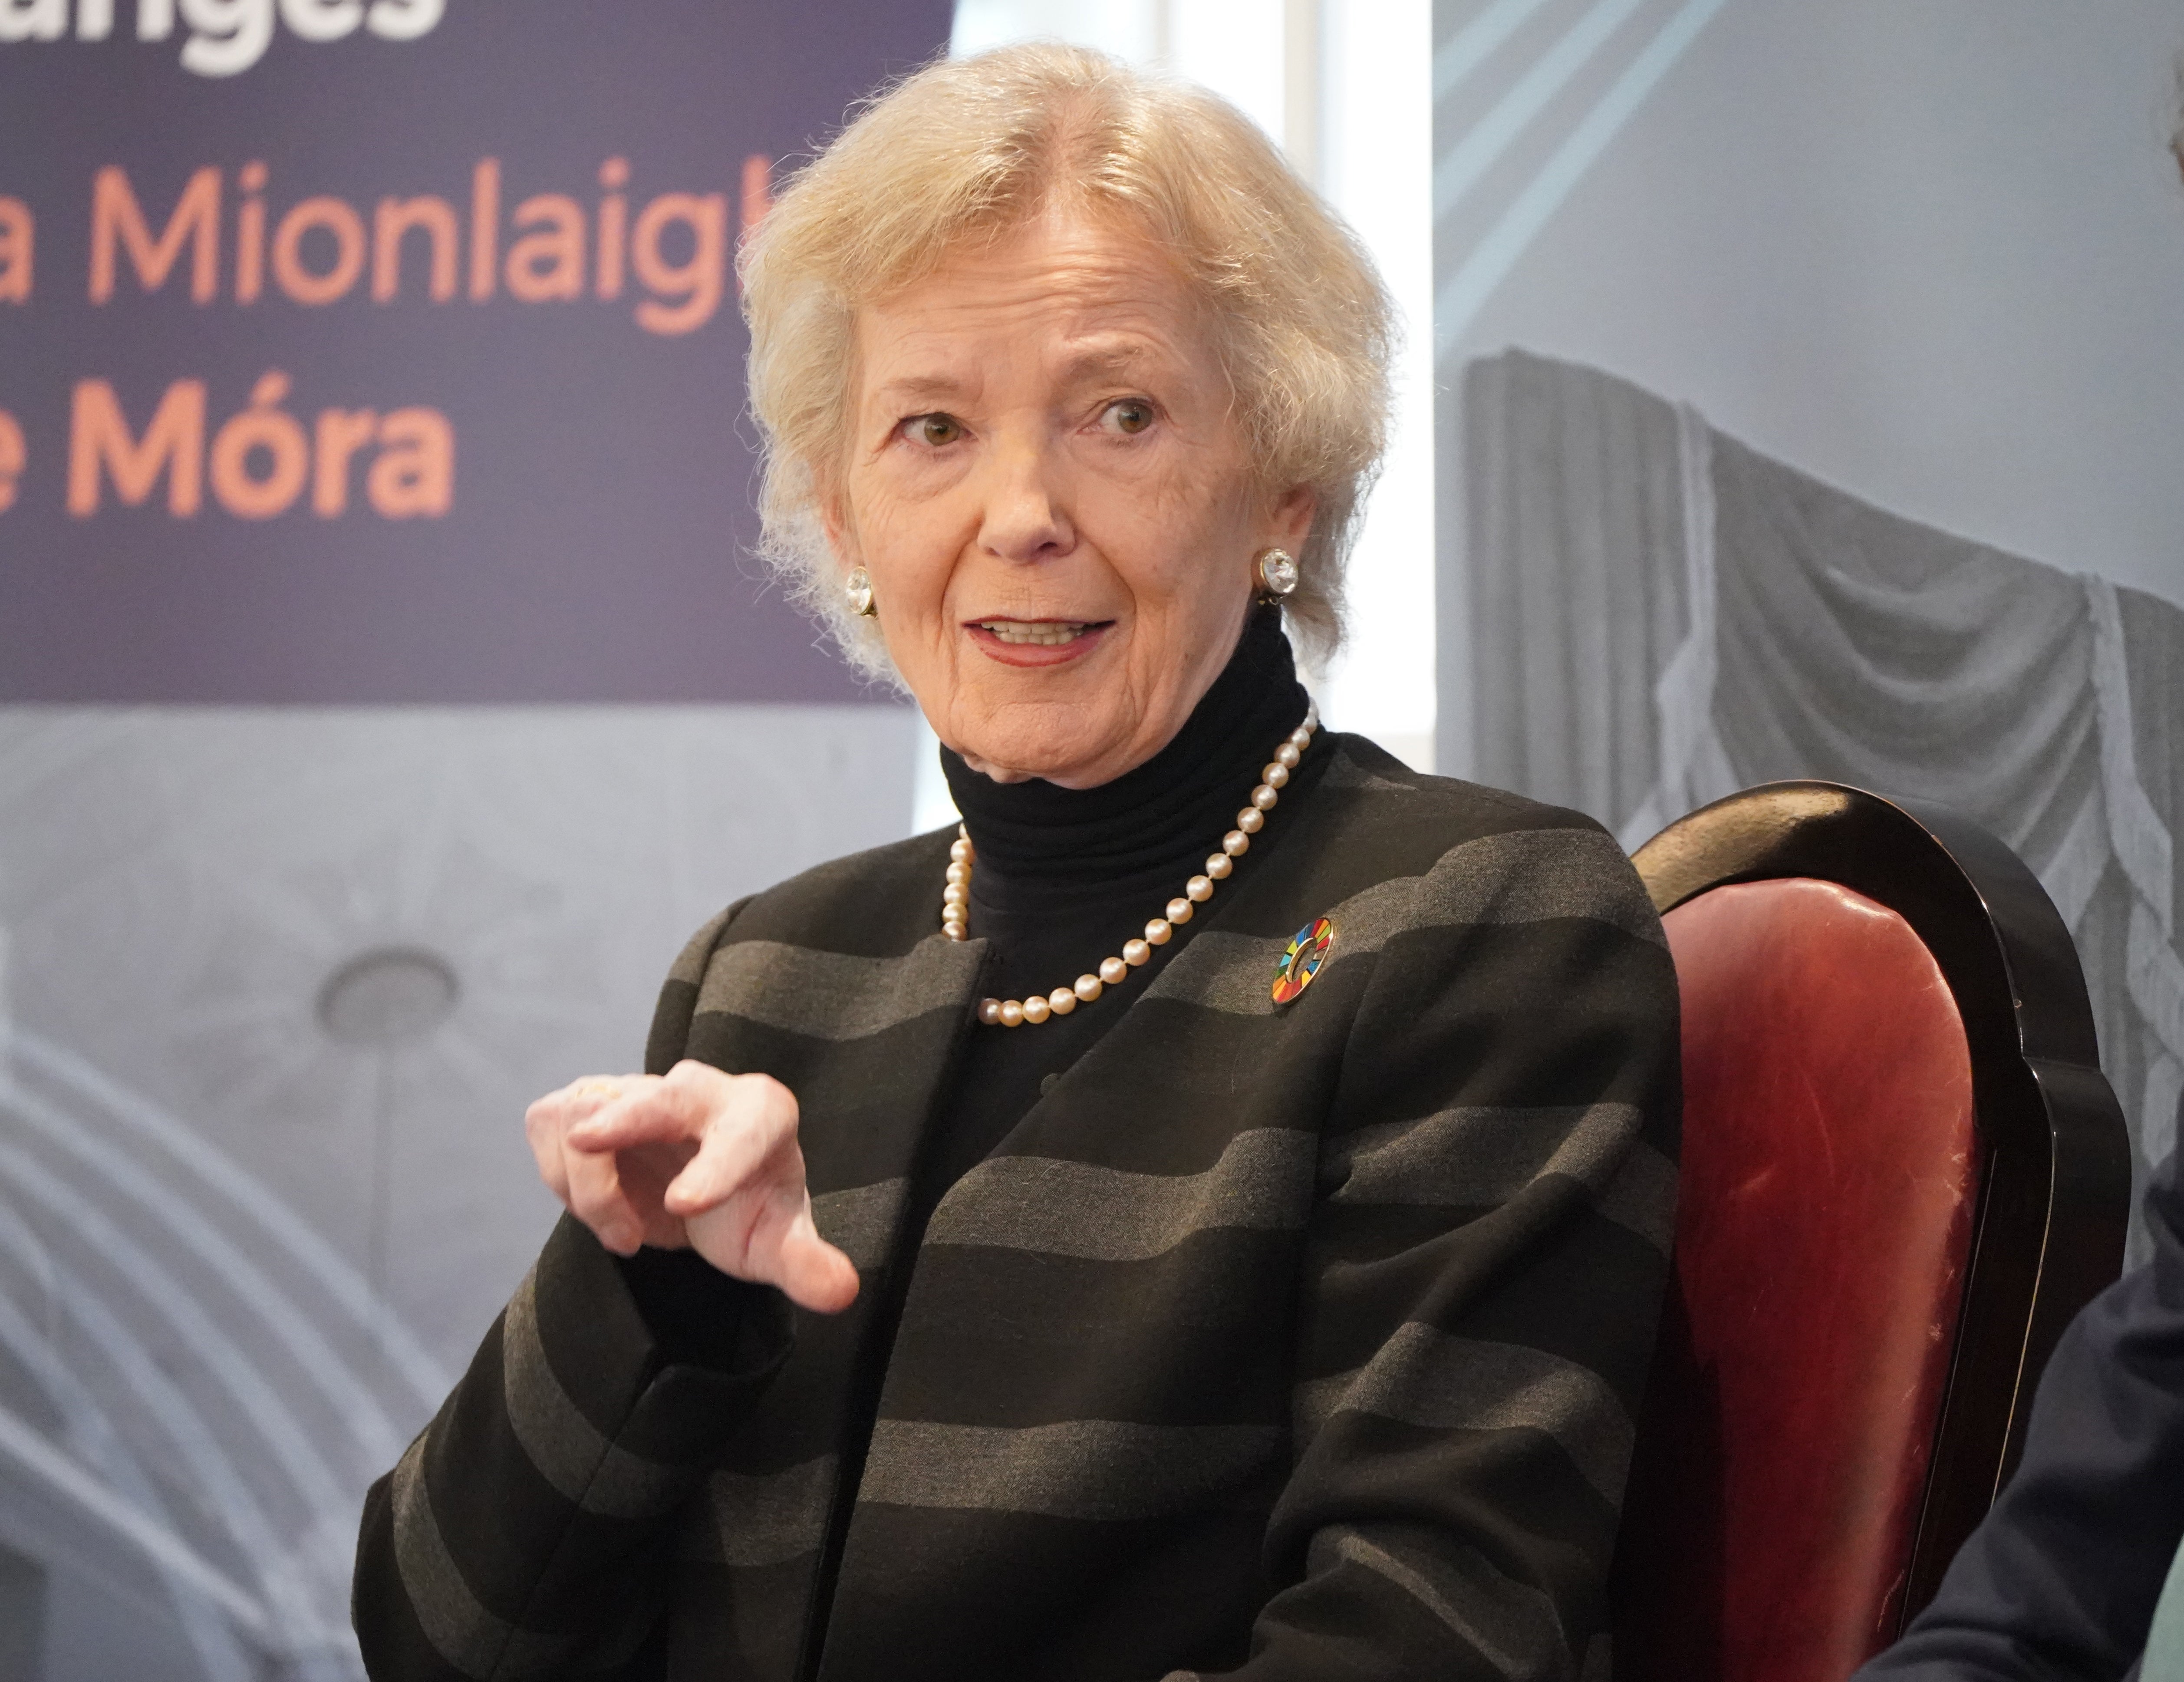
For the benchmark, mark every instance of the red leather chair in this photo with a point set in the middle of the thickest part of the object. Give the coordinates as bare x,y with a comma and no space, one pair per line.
1903,1173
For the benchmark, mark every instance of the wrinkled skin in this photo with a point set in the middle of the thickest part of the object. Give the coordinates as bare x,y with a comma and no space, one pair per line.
1043,438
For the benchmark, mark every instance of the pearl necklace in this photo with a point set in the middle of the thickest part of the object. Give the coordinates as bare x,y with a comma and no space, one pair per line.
955,899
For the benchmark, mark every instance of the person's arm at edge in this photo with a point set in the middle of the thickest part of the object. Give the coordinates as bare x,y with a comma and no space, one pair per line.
2060,1581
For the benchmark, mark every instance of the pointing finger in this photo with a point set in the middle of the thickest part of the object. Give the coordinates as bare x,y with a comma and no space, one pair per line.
734,1153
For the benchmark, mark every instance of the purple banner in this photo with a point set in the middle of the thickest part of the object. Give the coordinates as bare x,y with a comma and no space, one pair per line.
380,351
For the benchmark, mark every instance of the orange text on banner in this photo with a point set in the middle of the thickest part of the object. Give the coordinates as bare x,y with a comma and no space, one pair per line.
12,454
18,246
261,460
321,249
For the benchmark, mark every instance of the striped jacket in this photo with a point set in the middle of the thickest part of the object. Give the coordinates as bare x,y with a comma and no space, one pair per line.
1284,1342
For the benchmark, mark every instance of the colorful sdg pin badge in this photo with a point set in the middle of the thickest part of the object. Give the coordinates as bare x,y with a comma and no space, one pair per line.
1308,951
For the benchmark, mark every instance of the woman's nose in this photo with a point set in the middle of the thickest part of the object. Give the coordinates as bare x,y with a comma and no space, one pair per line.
1025,519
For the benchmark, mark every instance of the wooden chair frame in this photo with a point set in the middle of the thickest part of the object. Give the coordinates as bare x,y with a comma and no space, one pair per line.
2055,1194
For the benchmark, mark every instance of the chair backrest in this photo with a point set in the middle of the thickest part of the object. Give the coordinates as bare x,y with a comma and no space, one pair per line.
1903,1173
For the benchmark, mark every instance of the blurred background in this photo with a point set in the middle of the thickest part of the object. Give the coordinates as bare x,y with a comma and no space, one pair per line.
387,689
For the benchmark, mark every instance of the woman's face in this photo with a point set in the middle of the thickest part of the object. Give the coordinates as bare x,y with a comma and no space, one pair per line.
1047,486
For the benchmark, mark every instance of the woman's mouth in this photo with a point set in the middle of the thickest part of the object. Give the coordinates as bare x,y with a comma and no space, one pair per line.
1046,632
1037,642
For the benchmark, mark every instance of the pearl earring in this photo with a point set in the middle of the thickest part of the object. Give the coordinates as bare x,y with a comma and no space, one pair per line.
1275,571
858,586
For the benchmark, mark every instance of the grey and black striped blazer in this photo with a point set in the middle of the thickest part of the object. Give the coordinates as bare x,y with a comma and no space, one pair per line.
1283,1342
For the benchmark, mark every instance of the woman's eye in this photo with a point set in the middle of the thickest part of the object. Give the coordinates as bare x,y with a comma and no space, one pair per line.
937,429
1132,415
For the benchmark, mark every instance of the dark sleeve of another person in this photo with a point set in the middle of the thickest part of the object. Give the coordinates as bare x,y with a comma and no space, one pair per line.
522,1533
2060,1581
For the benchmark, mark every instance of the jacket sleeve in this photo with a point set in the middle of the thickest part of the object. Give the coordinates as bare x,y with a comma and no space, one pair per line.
2061,1579
518,1535
1485,1269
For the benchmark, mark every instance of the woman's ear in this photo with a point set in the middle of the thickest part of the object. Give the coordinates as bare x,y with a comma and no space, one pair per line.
840,533
1290,521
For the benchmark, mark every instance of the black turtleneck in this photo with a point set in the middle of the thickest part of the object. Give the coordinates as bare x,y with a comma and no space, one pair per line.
1065,875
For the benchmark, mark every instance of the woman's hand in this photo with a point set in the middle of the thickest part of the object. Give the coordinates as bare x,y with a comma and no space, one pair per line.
695,1159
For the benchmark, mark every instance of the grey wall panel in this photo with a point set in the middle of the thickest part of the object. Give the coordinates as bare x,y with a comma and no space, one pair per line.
1927,250
249,1228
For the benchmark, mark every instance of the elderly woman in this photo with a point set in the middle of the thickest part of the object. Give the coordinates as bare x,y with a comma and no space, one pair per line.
1206,1215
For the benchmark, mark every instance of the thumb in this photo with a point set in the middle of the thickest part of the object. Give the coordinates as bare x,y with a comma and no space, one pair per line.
779,1246
811,1273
